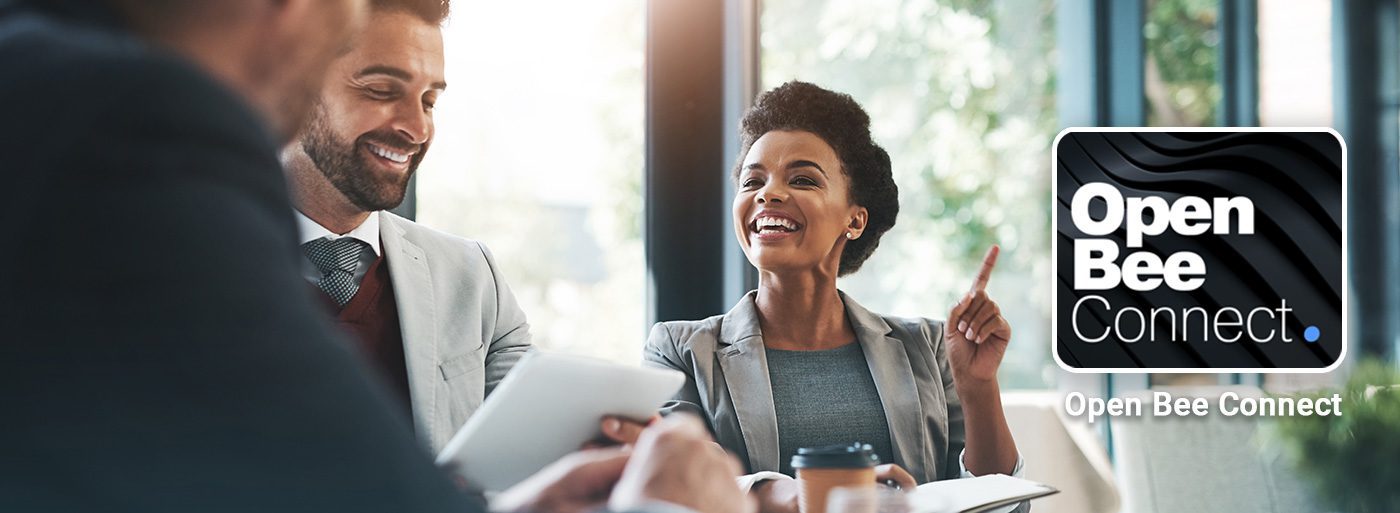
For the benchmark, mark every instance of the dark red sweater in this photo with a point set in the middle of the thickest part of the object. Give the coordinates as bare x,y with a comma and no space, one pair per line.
372,316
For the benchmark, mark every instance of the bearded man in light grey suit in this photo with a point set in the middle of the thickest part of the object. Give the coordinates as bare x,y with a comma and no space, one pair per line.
430,311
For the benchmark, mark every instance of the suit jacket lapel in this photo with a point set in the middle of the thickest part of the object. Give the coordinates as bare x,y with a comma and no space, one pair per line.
745,364
413,293
894,380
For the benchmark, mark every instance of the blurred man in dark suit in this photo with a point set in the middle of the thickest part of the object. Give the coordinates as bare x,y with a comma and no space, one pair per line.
160,351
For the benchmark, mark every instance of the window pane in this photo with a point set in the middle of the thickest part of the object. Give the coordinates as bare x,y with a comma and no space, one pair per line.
961,95
1295,62
1182,46
1182,87
539,155
1295,89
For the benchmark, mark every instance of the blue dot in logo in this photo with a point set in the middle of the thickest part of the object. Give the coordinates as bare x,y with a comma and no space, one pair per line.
1311,334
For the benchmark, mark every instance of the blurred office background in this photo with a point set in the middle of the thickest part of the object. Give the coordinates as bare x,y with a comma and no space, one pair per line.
589,145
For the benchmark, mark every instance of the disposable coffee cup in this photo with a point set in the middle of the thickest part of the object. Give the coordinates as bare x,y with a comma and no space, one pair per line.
823,469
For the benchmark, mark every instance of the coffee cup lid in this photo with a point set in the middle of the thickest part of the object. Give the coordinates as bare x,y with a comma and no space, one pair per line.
856,455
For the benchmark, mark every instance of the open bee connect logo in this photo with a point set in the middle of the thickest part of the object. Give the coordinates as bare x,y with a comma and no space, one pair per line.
1199,250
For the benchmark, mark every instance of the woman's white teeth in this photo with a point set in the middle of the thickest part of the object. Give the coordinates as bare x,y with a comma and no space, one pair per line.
394,156
775,223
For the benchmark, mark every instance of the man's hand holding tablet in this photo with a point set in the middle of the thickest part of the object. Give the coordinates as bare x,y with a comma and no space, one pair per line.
548,407
673,464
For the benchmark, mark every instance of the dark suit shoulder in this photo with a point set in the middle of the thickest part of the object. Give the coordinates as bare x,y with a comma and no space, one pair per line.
78,72
97,104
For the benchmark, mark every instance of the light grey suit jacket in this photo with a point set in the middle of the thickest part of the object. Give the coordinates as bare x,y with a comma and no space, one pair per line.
727,384
462,328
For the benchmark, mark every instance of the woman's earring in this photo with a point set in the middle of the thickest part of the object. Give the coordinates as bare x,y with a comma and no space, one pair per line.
851,235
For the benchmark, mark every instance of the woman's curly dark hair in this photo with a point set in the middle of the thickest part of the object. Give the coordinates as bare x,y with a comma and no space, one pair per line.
837,119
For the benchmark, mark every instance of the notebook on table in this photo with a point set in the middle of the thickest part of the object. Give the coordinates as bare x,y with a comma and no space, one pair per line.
994,492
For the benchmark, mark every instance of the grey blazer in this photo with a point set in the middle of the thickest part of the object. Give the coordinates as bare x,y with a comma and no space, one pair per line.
727,384
462,329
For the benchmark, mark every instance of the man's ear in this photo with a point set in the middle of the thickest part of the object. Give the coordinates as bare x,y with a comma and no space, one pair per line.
281,38
311,22
289,15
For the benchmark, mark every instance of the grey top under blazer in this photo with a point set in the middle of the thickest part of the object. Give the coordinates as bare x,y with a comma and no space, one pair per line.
462,328
727,385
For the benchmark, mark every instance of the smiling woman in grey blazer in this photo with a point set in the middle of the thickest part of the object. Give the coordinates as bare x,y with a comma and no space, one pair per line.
799,363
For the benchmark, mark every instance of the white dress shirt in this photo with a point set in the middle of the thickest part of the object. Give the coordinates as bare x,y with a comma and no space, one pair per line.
367,232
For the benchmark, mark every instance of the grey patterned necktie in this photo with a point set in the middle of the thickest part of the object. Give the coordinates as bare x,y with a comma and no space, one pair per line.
336,260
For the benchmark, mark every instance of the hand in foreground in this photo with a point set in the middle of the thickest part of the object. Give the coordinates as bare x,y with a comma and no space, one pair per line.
776,495
619,431
577,483
675,461
976,333
891,473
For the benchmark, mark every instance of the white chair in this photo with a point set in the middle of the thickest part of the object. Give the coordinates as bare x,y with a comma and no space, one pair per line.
1060,453
1204,464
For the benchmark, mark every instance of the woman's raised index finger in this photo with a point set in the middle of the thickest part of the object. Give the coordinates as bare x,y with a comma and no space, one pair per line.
985,273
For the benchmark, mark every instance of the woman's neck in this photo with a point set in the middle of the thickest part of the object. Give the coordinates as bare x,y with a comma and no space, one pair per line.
801,311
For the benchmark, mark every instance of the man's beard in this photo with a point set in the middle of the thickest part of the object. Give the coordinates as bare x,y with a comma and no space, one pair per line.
350,172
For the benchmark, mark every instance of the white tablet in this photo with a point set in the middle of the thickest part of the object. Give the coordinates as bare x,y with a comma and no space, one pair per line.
548,406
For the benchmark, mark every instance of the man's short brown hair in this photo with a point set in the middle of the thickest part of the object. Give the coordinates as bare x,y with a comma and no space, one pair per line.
431,11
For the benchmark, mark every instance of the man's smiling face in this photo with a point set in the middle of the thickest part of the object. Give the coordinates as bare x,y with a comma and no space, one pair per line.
374,120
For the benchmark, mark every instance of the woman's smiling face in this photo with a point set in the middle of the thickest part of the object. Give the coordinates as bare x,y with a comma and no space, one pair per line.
793,209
